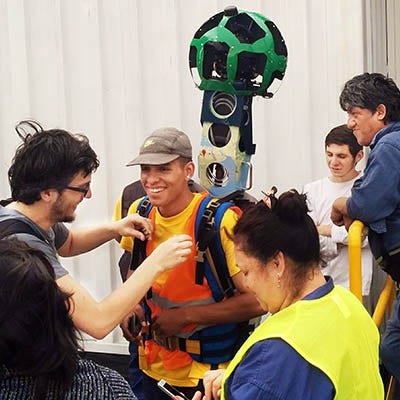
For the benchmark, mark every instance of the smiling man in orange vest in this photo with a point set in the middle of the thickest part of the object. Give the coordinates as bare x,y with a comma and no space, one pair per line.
191,329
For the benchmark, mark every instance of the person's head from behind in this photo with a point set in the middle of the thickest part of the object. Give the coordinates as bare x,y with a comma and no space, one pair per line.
37,335
342,153
371,101
277,249
52,165
166,165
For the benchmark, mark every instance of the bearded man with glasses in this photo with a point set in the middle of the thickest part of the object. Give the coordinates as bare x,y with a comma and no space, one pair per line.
50,175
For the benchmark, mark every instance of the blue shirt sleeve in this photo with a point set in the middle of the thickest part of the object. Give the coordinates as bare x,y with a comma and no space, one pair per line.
273,370
377,193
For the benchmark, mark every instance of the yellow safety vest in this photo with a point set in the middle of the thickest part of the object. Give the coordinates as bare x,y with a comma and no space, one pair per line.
335,334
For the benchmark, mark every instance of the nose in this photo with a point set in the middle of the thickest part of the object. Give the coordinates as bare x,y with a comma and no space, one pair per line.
149,177
350,122
89,193
334,160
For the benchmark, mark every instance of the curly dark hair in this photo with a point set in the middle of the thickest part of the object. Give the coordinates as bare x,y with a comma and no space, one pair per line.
37,335
47,159
369,90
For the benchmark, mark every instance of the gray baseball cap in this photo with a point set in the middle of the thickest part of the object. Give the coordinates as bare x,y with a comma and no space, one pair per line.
163,146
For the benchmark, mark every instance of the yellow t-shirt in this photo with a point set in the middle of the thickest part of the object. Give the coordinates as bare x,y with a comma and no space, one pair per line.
165,227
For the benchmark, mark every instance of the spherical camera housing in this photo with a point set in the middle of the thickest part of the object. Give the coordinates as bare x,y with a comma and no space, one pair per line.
238,52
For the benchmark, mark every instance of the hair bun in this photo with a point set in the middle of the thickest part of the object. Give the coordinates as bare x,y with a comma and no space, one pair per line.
291,207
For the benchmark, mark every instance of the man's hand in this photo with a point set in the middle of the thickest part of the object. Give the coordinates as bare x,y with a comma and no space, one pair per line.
339,215
169,322
134,225
171,253
134,336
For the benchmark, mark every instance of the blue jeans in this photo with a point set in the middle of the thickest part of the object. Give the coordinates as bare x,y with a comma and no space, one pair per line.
134,373
390,346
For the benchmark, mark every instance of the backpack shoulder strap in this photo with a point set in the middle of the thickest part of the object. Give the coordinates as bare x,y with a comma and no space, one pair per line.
129,195
209,248
11,226
6,202
139,247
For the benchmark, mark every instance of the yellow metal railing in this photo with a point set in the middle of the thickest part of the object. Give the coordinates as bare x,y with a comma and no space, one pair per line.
355,275
384,302
354,243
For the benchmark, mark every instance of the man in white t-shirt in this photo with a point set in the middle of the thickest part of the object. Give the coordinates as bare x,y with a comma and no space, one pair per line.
342,154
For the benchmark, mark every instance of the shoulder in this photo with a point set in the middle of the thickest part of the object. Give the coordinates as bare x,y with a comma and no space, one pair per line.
230,215
261,371
107,383
61,233
131,193
14,387
314,185
389,142
133,208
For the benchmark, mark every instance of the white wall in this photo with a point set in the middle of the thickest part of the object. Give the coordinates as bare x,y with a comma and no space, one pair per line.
117,69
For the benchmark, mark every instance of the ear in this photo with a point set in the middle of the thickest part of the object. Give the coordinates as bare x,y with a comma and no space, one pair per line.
279,263
48,195
380,112
358,156
189,169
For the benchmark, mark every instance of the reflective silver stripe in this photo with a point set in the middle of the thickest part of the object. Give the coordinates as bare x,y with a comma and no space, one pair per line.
166,303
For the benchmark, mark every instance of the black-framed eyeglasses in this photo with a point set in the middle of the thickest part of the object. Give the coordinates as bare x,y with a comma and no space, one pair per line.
84,191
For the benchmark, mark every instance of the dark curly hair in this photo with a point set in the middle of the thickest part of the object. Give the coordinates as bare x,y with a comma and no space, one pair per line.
47,159
368,91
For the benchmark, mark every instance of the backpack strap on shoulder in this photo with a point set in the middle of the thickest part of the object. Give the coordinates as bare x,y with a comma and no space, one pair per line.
6,202
205,232
129,195
12,226
209,248
139,246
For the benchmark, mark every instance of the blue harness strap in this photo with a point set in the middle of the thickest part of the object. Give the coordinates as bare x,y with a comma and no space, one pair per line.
139,246
212,264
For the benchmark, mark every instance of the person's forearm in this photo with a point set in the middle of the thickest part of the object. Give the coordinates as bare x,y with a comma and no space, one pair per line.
324,230
85,239
88,238
100,318
235,309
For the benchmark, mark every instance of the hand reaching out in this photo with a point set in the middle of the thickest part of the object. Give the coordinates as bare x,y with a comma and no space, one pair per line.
134,225
172,252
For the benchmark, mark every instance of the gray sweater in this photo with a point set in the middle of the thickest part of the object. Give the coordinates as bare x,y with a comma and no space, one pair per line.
91,382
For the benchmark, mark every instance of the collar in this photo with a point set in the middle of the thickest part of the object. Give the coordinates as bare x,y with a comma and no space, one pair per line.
393,126
321,291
